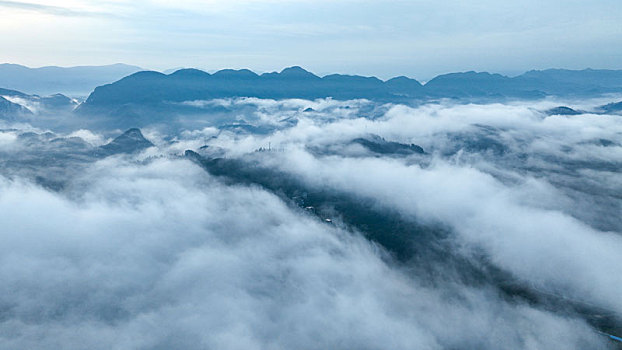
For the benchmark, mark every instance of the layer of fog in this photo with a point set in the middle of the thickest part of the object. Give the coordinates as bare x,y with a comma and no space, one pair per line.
546,209
163,256
150,251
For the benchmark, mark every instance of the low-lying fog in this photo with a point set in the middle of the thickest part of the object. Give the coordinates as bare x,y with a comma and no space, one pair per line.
315,225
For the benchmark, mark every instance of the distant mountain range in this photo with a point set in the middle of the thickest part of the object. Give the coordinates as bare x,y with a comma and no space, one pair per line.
295,82
72,81
148,97
533,84
148,88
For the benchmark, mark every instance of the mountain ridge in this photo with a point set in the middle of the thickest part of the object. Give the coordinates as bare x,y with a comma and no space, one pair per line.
48,80
130,141
153,88
10,111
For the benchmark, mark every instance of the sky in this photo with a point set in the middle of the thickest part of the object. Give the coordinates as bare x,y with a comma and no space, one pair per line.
416,38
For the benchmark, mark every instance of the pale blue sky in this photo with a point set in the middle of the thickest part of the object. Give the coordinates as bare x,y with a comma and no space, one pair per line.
416,38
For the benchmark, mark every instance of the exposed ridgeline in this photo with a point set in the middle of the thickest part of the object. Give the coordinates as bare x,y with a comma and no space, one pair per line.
129,142
149,88
533,84
10,111
192,84
53,103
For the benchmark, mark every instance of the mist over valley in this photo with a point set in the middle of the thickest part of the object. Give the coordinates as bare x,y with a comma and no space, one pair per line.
286,210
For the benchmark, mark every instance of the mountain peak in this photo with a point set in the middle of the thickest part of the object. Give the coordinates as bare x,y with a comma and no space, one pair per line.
297,72
133,133
9,110
143,74
402,82
189,73
130,141
235,73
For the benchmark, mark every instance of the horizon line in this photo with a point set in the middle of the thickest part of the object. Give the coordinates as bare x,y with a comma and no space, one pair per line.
170,71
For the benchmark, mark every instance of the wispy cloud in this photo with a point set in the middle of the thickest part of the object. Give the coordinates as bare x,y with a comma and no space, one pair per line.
52,10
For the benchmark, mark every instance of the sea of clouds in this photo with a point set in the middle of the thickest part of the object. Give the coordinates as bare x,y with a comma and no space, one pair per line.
150,251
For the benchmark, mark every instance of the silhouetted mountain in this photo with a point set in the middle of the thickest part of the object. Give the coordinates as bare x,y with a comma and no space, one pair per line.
190,73
482,84
571,82
57,101
190,84
379,145
532,84
71,80
464,82
129,142
12,111
54,103
296,72
612,108
562,110
403,86
149,93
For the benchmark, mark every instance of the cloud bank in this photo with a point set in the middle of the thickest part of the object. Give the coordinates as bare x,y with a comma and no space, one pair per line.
150,251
